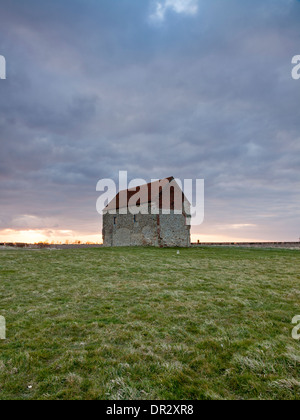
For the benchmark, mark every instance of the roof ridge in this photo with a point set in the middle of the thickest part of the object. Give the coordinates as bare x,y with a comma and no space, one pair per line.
170,179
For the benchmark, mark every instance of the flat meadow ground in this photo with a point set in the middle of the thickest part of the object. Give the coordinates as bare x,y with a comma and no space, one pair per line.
145,323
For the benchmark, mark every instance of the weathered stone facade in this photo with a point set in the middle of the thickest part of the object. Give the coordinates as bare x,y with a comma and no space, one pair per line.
150,227
146,230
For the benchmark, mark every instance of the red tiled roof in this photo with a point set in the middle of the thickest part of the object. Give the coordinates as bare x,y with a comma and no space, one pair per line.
122,199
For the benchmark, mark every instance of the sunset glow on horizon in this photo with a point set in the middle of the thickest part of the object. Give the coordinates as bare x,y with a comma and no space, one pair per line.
73,237
39,236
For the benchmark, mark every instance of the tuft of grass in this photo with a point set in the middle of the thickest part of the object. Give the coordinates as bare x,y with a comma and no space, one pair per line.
146,323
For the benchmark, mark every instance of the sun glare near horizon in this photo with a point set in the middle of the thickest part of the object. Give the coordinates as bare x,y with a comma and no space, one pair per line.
38,236
73,237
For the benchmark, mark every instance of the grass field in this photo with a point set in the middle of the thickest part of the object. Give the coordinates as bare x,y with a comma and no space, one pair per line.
150,324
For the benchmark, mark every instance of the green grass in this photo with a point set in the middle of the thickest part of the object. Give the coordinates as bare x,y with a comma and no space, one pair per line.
149,324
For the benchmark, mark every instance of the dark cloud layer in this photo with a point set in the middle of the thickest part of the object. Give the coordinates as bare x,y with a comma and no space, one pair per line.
95,87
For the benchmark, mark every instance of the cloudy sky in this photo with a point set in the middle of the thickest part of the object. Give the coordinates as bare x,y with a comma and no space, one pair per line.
183,88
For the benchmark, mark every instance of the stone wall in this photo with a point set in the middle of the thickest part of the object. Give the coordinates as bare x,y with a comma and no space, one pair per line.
129,230
174,231
145,230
